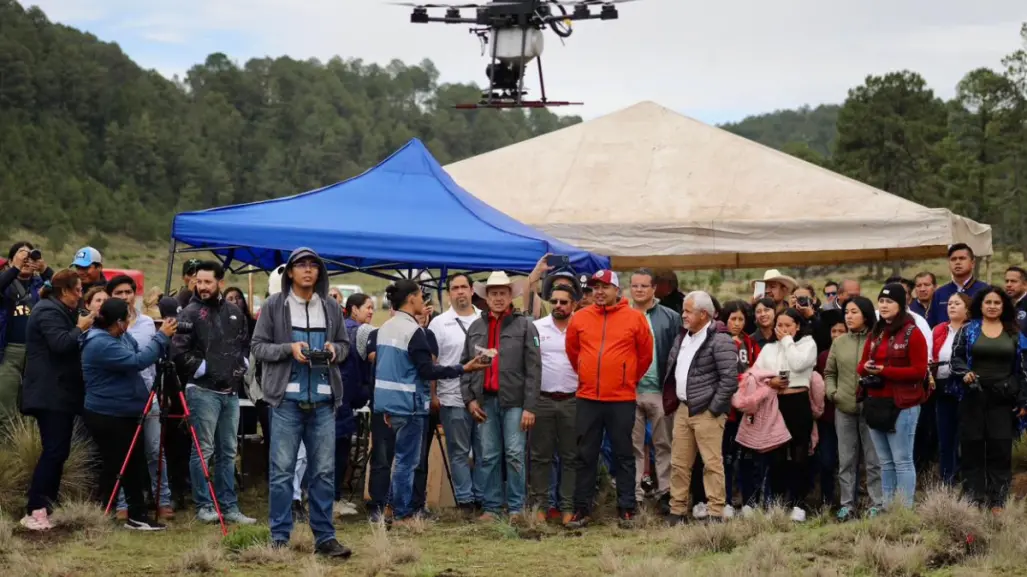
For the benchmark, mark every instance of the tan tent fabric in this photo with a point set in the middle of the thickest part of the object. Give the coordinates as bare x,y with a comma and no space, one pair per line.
649,186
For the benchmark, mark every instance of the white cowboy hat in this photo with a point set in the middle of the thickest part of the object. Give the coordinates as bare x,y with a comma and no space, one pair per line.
498,278
774,275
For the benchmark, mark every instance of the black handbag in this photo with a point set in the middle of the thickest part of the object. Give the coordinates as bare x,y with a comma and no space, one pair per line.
1003,391
881,413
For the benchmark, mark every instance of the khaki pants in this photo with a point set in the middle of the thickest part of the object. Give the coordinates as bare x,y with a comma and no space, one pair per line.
649,408
704,434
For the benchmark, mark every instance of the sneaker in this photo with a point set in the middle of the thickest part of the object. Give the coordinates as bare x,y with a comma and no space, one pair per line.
467,509
121,515
333,549
165,513
748,512
487,517
798,515
566,518
427,515
344,509
37,521
729,512
578,521
236,516
280,545
873,512
844,514
675,520
553,514
663,504
207,515
144,525
626,519
700,511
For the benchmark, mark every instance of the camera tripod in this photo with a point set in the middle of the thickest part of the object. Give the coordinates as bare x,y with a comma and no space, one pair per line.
164,386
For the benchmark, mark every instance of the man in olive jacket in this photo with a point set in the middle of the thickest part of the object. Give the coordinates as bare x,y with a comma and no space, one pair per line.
502,398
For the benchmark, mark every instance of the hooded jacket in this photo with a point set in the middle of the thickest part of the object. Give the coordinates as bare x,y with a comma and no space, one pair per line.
217,342
273,335
611,348
111,369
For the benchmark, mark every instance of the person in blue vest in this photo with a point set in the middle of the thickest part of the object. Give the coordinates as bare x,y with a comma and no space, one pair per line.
961,266
402,391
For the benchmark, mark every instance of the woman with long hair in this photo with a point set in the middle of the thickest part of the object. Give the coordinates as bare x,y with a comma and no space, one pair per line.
52,389
949,387
893,368
791,355
115,396
986,357
765,311
842,383
234,295
94,298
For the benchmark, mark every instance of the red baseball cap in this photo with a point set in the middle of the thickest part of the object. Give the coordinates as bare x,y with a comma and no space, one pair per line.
606,277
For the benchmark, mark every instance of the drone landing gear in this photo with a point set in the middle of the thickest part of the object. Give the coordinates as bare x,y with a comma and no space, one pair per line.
507,90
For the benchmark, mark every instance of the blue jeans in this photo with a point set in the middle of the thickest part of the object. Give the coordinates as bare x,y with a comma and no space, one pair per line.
216,420
501,434
895,451
316,429
463,436
383,451
825,463
151,447
409,430
947,408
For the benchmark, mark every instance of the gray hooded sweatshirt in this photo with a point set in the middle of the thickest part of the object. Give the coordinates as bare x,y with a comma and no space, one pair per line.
273,335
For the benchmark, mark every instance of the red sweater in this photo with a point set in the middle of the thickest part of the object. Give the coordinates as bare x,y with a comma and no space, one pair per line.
905,366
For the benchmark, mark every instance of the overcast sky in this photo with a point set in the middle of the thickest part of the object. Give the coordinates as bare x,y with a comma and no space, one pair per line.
715,60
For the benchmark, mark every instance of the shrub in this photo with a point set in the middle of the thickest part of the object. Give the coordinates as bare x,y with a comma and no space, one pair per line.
20,447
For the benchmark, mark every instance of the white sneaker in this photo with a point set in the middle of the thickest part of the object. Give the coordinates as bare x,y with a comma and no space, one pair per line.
748,512
700,511
37,521
729,512
344,509
798,515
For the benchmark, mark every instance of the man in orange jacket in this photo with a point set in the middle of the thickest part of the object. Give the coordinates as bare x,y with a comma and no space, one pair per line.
611,347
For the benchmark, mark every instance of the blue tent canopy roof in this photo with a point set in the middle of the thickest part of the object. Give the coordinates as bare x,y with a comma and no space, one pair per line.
406,212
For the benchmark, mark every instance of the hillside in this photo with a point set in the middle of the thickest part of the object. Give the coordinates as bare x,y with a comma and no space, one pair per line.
816,128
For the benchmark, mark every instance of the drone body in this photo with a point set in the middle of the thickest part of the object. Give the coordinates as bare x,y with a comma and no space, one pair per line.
513,32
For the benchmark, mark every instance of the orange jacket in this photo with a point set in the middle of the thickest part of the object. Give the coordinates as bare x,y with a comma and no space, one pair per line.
611,348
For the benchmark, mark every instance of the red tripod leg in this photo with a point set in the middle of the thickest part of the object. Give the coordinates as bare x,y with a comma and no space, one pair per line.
124,465
187,415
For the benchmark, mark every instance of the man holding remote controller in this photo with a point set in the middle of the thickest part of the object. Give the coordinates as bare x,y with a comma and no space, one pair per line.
301,338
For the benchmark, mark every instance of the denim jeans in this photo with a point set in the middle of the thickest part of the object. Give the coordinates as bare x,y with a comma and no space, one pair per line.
825,463
383,451
316,429
151,447
895,451
462,437
409,430
501,436
947,407
216,420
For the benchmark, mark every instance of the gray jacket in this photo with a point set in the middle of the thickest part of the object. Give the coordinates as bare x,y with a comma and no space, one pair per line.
272,337
520,362
712,376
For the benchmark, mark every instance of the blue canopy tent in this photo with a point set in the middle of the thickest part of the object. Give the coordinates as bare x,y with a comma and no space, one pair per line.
405,213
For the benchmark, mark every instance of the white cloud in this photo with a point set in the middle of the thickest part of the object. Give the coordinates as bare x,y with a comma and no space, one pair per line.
730,55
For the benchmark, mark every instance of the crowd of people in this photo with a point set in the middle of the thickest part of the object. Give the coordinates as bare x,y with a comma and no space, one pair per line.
695,408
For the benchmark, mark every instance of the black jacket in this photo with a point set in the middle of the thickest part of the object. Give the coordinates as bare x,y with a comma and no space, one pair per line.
53,367
219,336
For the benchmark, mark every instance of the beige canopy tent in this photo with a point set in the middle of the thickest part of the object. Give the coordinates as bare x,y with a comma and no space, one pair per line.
651,187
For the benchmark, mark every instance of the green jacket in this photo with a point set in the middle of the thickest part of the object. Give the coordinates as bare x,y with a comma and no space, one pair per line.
840,375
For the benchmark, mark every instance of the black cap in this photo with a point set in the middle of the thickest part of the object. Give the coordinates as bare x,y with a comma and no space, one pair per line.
896,292
168,307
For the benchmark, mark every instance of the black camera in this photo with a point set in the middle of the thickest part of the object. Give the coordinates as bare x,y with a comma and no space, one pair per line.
318,358
871,382
83,312
804,302
36,254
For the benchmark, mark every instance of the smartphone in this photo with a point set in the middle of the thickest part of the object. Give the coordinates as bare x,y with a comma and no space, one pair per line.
759,289
558,260
784,374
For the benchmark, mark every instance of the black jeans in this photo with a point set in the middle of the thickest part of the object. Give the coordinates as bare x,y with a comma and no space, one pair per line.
417,502
113,437
383,449
618,421
789,468
342,447
56,429
986,441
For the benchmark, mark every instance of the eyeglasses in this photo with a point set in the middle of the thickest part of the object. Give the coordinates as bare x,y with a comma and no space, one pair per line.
305,264
830,294
559,302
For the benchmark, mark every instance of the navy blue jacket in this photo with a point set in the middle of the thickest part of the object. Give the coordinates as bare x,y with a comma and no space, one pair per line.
355,383
939,312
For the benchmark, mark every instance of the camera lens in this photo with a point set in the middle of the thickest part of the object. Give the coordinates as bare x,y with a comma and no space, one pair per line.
36,254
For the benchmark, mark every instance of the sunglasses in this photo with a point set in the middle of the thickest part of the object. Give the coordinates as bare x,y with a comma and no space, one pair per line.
830,294
559,302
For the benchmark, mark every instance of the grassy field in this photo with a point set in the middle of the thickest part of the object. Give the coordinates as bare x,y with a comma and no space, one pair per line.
945,536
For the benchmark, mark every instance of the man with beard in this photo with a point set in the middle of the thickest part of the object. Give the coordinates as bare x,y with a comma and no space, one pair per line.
450,330
556,409
304,391
210,358
1016,289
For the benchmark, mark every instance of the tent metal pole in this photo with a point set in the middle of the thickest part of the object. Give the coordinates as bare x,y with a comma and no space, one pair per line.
171,264
443,274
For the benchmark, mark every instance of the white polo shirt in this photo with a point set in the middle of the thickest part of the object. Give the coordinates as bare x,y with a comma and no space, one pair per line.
451,340
558,376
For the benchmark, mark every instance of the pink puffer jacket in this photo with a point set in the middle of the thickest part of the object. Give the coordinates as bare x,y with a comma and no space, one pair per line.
761,427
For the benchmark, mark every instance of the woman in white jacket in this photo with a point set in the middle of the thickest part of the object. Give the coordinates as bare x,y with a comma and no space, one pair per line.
791,354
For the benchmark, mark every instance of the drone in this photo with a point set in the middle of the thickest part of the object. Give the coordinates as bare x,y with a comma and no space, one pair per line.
514,31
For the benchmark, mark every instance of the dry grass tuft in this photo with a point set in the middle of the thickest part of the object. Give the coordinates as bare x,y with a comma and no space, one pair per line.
895,524
9,544
609,563
891,559
942,509
20,447
651,566
22,564
264,555
203,559
713,538
767,554
385,553
83,516
313,568
302,539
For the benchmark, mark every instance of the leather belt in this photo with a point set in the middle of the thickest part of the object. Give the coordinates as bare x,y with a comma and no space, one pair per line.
558,396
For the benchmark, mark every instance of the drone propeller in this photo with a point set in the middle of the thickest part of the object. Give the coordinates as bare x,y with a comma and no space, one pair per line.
457,6
589,2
